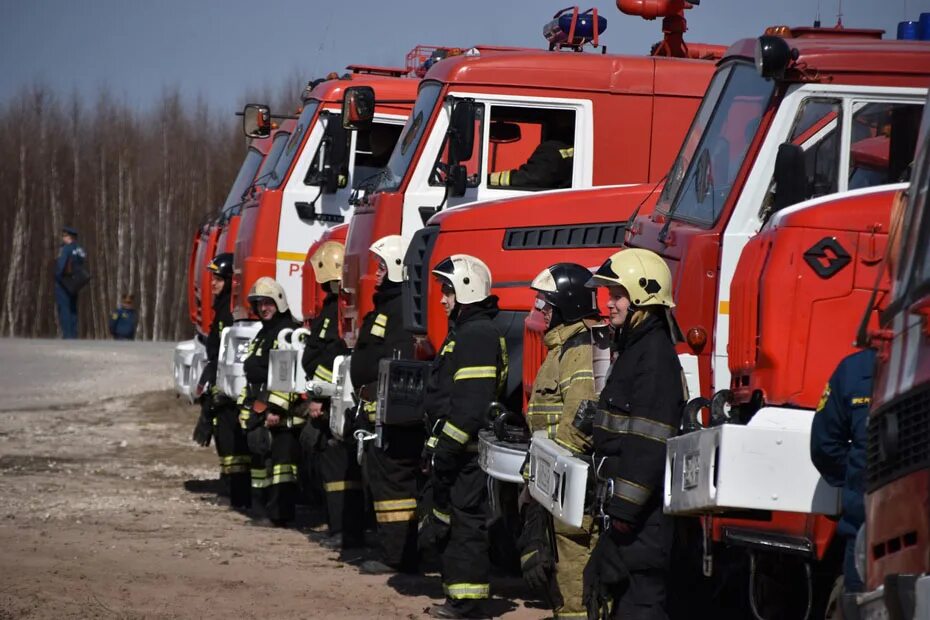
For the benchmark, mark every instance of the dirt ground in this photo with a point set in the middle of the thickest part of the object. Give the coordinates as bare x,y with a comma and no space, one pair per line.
107,509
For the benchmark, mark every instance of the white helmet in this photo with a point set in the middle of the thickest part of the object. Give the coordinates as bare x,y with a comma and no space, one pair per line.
468,276
327,262
390,249
269,287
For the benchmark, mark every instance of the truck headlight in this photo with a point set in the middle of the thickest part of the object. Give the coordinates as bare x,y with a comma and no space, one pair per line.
860,551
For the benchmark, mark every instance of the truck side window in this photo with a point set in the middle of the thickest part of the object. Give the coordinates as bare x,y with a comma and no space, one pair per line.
531,148
373,147
807,164
883,138
437,177
328,151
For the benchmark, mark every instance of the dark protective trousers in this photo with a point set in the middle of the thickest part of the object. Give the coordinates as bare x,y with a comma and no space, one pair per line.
67,312
281,493
234,454
465,562
646,553
342,484
394,480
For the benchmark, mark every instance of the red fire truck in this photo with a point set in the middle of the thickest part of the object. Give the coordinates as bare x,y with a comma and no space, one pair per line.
894,546
310,190
774,223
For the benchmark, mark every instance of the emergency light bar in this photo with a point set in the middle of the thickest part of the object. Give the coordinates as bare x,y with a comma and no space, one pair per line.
574,29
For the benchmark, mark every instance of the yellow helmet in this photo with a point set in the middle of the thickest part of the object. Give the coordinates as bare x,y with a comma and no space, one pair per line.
643,273
327,262
269,287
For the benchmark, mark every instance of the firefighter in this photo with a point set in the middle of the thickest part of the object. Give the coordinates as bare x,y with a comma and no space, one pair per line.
219,415
468,374
575,337
392,471
273,432
549,166
337,466
838,445
638,410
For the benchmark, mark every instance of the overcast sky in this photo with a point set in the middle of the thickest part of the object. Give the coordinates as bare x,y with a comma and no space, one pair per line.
220,49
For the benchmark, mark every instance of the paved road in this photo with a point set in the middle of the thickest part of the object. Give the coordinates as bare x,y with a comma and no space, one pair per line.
39,373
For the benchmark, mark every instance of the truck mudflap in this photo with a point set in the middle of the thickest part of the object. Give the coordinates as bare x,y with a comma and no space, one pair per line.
342,405
558,480
901,597
763,465
234,347
501,460
285,371
183,359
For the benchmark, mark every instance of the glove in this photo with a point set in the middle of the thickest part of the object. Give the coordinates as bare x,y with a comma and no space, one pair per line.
433,529
536,558
203,431
603,575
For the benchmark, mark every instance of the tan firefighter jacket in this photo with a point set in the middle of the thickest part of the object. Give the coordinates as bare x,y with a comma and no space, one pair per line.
565,379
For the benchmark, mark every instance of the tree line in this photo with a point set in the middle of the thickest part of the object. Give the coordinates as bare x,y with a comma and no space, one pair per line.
135,184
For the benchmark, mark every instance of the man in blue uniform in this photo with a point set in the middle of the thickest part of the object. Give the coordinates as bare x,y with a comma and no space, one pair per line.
123,319
838,442
69,278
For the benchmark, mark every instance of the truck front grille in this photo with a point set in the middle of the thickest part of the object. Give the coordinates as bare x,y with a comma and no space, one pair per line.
899,438
553,237
416,281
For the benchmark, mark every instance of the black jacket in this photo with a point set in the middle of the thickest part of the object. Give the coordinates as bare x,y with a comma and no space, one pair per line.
549,167
324,345
467,375
381,335
222,318
639,409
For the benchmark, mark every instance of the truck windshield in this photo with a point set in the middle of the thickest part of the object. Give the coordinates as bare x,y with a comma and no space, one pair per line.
715,147
410,138
253,159
276,177
271,160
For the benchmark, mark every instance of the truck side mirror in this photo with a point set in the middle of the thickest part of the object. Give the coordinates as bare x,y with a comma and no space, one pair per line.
256,120
462,131
457,180
790,176
358,107
331,168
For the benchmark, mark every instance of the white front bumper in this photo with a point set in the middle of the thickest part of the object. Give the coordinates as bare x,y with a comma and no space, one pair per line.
764,465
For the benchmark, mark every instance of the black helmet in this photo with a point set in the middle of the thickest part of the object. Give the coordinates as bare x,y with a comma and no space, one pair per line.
222,265
563,287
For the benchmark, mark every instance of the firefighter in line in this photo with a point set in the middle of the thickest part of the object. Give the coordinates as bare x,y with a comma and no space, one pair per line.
265,414
549,166
467,376
638,410
569,379
219,415
337,466
392,471
838,446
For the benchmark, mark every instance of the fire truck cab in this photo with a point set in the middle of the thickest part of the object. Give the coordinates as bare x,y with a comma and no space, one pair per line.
190,355
893,548
308,192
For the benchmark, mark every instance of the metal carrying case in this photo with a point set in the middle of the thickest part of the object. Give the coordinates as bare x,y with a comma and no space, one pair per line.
342,404
764,465
558,480
183,358
401,388
234,344
501,460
